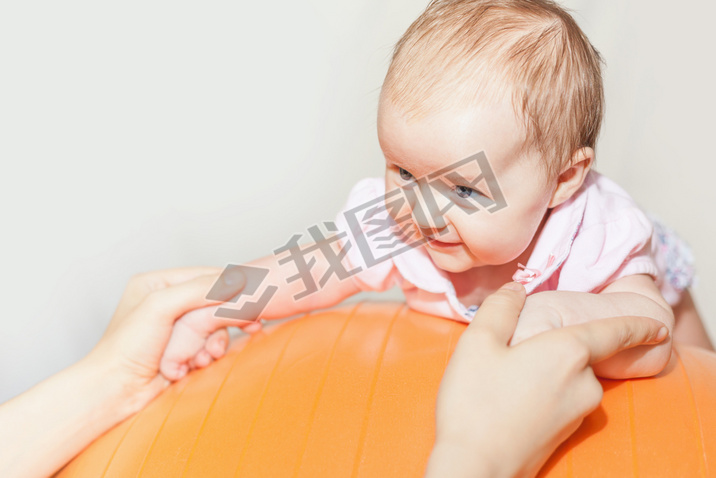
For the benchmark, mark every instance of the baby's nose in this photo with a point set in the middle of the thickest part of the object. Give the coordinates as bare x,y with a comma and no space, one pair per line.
428,224
427,211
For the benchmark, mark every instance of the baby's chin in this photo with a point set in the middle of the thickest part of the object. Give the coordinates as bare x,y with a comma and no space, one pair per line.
455,263
462,261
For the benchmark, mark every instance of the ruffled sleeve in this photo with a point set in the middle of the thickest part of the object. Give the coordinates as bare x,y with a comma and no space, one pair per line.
357,224
613,242
628,244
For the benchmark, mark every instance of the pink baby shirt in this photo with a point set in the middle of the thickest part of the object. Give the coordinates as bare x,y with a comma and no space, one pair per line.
596,237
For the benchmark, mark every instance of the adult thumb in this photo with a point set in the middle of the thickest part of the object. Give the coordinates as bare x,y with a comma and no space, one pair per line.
499,312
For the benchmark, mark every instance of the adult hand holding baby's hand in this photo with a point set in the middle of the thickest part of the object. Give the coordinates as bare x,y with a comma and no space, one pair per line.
199,336
502,410
134,343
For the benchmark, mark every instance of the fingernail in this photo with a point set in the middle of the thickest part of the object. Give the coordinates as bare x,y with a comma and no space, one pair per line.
182,371
663,332
516,286
233,276
219,346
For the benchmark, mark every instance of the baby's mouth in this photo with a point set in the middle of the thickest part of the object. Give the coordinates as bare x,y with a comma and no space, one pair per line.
434,243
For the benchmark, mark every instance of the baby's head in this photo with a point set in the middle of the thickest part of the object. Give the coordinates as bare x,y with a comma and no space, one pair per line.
515,79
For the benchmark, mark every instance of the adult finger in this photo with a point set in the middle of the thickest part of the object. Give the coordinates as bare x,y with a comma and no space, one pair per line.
142,284
170,303
499,312
606,337
168,277
210,316
231,281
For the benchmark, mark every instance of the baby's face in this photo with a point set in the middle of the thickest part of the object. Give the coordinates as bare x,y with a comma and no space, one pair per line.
466,237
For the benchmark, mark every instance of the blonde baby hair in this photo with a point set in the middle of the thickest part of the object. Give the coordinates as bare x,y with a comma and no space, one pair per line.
461,52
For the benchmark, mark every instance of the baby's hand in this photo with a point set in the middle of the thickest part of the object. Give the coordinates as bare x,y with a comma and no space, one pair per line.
536,317
198,338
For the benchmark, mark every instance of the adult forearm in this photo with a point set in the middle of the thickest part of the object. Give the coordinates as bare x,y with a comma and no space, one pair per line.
45,427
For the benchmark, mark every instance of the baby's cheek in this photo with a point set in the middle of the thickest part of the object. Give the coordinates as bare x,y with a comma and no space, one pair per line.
519,229
503,245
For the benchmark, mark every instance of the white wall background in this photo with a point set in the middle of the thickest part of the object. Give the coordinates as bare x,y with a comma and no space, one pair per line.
141,135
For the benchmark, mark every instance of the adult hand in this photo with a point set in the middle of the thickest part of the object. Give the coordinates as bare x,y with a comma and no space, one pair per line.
136,338
502,411
60,416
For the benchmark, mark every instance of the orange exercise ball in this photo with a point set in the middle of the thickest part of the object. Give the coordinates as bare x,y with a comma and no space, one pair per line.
351,392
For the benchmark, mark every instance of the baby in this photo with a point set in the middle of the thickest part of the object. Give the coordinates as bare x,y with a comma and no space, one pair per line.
488,119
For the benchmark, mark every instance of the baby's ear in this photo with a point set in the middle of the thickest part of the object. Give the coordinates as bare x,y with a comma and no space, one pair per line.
572,177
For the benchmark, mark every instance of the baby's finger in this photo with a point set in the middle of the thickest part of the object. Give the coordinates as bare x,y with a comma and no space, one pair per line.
201,359
173,371
499,312
217,343
252,327
183,345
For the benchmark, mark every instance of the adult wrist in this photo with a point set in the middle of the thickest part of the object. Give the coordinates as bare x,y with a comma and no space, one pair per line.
117,394
456,460
108,398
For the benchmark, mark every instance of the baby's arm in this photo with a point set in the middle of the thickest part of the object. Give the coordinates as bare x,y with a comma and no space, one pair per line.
689,329
191,343
632,295
332,292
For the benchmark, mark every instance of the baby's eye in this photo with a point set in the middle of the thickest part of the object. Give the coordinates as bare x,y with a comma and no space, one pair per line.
464,192
405,175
